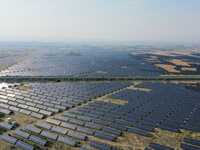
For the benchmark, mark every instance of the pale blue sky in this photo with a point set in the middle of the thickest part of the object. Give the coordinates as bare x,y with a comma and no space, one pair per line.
131,20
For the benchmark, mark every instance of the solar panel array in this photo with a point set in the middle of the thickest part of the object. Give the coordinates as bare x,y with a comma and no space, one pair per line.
46,99
167,106
87,64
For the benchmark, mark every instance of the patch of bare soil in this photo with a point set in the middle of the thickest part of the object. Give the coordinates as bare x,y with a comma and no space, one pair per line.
109,99
133,142
171,139
179,62
6,146
61,146
167,67
23,119
24,87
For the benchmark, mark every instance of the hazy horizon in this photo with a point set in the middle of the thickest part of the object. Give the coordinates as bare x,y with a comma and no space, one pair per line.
100,20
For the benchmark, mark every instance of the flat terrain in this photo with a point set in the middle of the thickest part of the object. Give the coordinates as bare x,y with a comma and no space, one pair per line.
118,97
123,115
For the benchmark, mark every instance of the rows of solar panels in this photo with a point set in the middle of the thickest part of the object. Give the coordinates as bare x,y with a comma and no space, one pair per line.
7,60
49,98
91,64
41,100
167,106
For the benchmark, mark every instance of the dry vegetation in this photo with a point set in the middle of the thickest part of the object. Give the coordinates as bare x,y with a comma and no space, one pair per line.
179,62
133,142
23,119
6,146
168,68
61,146
114,101
24,87
171,139
1,119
